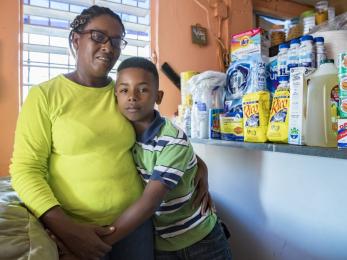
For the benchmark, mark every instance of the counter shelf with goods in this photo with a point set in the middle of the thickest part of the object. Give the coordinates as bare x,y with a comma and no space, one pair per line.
280,148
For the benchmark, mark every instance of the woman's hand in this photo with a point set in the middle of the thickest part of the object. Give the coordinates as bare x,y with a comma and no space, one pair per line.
201,182
63,252
82,240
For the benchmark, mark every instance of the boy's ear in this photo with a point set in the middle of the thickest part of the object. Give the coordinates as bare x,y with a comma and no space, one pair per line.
159,97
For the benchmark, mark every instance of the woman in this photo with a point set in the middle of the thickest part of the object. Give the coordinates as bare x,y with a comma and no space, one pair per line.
71,164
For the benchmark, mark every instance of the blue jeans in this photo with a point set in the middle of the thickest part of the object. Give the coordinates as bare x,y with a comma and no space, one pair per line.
139,245
212,247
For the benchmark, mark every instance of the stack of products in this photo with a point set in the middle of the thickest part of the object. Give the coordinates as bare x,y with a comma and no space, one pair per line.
277,34
342,121
184,109
246,101
308,21
295,29
322,12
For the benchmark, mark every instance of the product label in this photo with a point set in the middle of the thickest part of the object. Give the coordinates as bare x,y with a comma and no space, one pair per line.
215,129
251,112
334,105
231,128
342,63
246,43
342,133
343,107
298,89
256,108
278,123
343,85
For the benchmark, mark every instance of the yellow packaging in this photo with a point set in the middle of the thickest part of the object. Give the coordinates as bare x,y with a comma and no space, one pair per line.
277,130
231,127
256,107
185,76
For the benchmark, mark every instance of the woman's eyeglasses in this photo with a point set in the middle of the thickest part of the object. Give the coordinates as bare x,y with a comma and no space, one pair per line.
100,37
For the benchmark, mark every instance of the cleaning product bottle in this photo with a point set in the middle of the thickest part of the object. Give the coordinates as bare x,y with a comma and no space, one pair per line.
321,54
293,54
307,57
282,60
321,104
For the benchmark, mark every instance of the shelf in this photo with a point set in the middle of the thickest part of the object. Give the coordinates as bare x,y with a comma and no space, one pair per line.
281,148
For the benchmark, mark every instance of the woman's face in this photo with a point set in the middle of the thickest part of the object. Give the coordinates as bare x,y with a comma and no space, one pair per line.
95,59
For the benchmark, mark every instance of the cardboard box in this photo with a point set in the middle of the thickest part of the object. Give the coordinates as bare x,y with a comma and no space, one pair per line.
342,133
248,43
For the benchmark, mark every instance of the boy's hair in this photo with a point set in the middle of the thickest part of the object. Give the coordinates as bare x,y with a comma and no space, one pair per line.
141,63
81,21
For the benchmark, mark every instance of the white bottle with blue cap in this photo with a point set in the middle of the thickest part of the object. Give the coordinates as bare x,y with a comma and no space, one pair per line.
282,60
321,54
306,52
293,54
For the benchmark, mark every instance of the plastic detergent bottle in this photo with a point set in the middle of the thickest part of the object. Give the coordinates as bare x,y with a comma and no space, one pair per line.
321,110
293,54
320,50
282,60
306,52
194,124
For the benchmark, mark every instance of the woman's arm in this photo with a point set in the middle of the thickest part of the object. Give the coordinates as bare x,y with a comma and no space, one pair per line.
139,212
32,148
201,181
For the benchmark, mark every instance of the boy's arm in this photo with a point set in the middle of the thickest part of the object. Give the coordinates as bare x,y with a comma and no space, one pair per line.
139,212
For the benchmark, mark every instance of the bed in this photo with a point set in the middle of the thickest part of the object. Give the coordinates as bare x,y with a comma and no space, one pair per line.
21,235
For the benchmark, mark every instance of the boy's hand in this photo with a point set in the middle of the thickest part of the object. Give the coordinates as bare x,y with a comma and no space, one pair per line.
82,240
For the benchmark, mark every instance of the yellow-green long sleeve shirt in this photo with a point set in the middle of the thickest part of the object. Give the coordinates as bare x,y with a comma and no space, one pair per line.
72,148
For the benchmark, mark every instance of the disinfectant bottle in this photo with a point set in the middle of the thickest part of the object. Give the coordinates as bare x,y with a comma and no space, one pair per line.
321,106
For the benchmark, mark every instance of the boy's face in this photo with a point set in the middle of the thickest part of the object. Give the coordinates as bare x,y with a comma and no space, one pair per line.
137,93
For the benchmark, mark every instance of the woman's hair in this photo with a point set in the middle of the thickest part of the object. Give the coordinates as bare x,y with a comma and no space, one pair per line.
81,21
140,63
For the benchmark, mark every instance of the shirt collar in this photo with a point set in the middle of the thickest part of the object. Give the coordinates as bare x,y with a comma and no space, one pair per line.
152,130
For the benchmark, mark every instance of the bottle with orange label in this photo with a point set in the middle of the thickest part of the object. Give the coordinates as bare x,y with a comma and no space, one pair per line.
321,122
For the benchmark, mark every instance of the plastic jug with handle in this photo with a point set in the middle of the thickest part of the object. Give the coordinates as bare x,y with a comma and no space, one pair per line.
322,97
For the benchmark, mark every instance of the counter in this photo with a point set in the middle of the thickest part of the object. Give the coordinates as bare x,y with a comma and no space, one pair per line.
282,148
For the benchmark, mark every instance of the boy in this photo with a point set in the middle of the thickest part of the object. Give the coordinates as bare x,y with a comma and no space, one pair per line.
167,164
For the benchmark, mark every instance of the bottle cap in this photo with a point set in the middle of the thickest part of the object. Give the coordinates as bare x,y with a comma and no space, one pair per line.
306,38
284,46
295,41
328,61
319,39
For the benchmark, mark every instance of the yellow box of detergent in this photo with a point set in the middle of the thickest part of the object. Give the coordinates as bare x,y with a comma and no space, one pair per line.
231,125
256,108
279,118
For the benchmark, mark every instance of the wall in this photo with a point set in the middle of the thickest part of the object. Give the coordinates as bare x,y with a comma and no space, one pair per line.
10,15
340,6
171,39
279,206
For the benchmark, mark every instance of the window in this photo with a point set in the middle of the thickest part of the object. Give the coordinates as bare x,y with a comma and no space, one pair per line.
46,29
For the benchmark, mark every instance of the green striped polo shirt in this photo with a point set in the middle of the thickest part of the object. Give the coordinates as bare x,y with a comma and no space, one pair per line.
163,152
